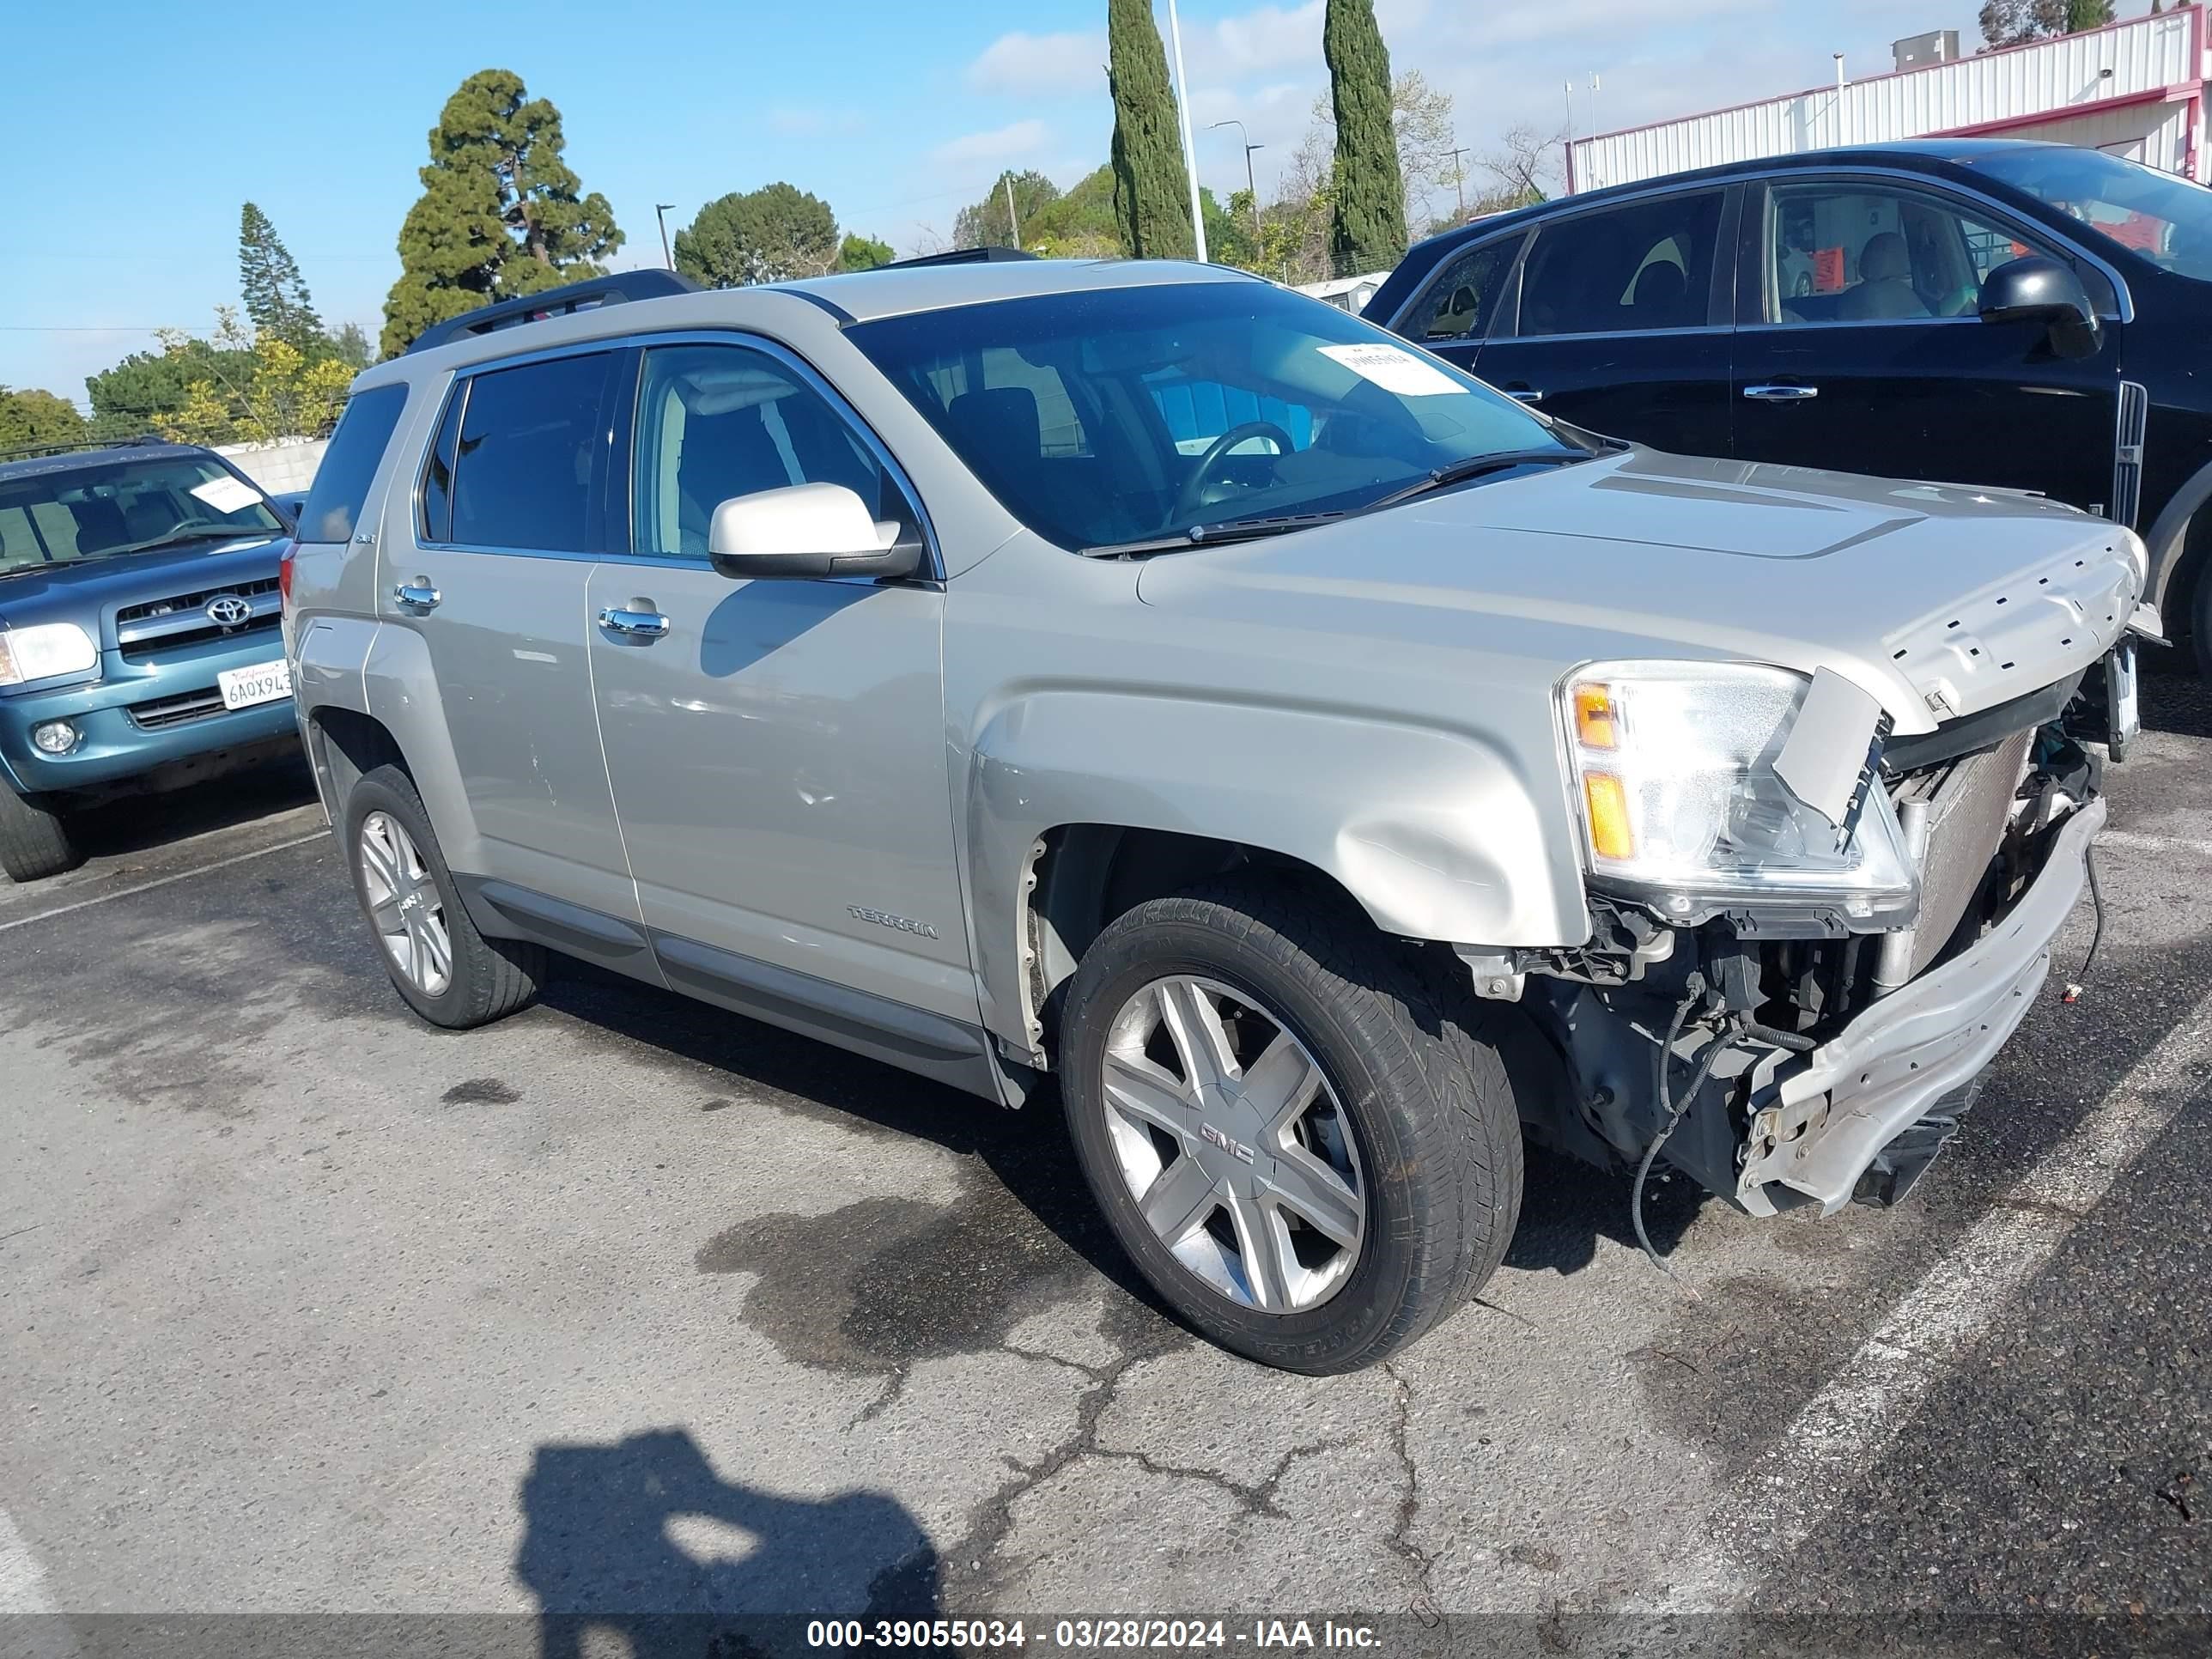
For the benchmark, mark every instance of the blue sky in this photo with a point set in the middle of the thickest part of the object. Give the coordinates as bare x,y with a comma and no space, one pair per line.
156,129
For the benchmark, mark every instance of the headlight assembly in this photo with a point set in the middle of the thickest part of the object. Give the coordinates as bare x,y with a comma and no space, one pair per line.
40,652
1680,805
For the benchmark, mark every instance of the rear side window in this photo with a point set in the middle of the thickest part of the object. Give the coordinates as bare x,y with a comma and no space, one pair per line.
1642,266
531,438
349,466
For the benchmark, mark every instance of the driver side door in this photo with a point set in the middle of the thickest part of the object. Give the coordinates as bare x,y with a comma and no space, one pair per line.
1860,347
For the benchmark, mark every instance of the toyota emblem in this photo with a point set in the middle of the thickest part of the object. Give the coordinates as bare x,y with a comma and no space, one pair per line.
228,610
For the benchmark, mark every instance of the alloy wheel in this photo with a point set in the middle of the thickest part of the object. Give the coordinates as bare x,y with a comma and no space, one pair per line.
405,905
1234,1145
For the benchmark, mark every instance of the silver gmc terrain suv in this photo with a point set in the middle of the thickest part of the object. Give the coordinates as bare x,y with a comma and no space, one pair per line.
1329,769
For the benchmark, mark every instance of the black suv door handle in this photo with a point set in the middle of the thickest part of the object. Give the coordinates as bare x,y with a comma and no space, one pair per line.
638,620
1523,393
1782,394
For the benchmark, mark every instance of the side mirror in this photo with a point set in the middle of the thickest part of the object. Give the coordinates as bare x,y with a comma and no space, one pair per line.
2039,290
806,530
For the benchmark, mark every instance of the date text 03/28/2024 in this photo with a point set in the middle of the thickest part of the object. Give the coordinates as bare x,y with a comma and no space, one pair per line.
1090,1634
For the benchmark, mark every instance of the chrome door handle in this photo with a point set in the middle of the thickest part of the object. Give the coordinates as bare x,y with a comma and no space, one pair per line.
1525,395
417,595
1783,394
637,620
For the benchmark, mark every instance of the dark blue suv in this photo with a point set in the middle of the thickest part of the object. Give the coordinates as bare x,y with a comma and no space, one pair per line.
140,642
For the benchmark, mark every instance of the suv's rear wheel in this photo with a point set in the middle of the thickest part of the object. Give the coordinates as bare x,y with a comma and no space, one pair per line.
35,842
1289,1122
447,971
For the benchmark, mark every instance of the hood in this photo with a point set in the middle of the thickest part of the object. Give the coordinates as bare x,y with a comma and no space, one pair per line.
1940,599
88,592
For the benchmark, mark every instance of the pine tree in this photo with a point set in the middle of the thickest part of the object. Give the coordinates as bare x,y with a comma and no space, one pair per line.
1152,192
500,214
1367,231
269,280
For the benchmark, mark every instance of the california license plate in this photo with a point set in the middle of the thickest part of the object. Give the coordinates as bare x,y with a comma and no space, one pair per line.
266,682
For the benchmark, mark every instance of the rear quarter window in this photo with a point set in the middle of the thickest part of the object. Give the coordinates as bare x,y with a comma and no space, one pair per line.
340,488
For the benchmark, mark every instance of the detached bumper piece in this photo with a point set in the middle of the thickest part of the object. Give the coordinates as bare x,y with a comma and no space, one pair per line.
1818,1126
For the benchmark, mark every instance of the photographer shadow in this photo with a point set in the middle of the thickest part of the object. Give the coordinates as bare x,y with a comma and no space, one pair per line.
600,1554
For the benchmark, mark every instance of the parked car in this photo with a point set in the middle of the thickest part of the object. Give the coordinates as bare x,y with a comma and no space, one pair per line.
2026,315
1323,804
288,504
139,642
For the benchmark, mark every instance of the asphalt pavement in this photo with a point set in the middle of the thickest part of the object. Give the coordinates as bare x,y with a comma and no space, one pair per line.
630,1306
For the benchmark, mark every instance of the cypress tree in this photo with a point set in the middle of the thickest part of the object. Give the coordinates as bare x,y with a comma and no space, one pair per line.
1152,192
500,214
270,283
1367,228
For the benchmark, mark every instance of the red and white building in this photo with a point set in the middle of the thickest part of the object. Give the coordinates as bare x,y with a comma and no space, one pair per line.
2134,89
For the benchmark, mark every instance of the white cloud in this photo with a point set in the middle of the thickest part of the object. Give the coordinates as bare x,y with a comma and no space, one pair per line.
1021,64
1019,141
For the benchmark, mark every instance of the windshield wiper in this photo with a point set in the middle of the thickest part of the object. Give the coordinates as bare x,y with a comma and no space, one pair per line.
1213,534
1476,466
188,538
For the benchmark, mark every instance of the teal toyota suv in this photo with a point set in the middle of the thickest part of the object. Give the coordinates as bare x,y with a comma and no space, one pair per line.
139,635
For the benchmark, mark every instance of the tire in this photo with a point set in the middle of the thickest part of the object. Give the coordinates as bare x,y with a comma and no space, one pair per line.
482,979
1414,1115
34,841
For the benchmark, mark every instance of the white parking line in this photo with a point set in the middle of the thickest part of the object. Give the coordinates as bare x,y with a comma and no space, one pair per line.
22,1584
1773,1507
164,881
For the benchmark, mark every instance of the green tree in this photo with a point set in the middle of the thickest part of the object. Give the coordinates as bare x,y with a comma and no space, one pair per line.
983,224
763,235
858,253
128,399
501,212
33,419
2088,15
268,279
1152,192
2015,23
349,345
1368,230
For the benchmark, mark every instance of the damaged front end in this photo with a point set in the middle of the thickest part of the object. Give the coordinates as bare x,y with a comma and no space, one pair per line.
1802,959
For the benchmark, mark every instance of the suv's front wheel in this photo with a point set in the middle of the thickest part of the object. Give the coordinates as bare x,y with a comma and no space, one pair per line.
34,841
447,971
1289,1123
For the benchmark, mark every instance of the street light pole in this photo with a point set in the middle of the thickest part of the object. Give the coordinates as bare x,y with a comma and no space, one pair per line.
660,212
1251,185
1190,149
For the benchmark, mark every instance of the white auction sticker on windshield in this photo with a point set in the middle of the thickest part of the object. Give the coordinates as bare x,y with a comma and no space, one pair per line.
226,494
1393,369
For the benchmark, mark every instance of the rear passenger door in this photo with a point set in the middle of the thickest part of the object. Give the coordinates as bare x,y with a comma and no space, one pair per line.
777,748
1620,323
490,573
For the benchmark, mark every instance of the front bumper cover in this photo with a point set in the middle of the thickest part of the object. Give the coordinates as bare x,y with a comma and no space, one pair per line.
1817,1123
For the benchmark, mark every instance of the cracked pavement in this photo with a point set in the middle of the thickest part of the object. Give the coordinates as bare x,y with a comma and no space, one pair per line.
628,1304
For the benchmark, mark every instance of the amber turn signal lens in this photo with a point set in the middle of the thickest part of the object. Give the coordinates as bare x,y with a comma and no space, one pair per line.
1596,726
1610,836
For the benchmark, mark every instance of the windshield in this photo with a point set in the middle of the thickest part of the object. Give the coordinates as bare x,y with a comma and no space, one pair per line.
108,508
1113,415
2166,220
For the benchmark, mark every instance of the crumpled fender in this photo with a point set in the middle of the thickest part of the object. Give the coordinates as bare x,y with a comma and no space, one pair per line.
1434,832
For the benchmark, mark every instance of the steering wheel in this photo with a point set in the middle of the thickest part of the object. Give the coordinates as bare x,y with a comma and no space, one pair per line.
1188,497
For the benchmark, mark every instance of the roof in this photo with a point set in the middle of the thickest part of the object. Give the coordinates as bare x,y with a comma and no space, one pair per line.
76,459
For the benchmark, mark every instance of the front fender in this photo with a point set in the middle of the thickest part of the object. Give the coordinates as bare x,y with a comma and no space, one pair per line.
1437,833
2167,538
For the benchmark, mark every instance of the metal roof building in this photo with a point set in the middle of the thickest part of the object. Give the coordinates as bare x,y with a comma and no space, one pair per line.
2134,89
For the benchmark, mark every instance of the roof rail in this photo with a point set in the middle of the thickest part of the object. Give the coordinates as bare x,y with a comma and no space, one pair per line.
960,256
593,292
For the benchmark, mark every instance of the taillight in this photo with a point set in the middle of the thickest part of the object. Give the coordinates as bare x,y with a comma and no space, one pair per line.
284,577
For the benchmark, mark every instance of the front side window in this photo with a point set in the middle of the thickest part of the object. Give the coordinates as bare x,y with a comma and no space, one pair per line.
714,423
1856,252
1458,306
2166,220
1200,404
1642,266
106,509
530,437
